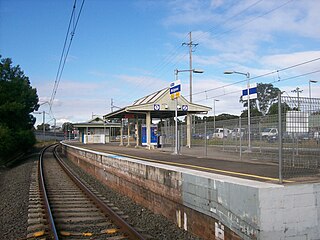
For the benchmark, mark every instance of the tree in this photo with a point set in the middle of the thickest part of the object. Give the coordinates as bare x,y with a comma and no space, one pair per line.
223,116
274,108
254,112
267,95
46,127
17,100
67,126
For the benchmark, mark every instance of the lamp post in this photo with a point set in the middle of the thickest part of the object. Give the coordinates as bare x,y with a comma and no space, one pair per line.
214,114
247,74
311,81
176,71
54,129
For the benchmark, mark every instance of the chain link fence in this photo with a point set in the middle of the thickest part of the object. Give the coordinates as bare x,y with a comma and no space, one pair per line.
290,138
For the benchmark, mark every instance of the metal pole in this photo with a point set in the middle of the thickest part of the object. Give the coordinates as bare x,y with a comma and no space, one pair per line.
176,126
310,89
240,139
190,62
205,137
54,129
249,126
43,127
214,116
280,136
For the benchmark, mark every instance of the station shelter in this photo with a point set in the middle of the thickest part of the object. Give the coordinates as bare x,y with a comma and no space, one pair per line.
97,130
156,106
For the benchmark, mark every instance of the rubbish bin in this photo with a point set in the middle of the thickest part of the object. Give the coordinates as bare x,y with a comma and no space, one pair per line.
159,141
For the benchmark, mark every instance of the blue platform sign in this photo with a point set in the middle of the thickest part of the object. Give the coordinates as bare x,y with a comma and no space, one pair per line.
252,92
175,89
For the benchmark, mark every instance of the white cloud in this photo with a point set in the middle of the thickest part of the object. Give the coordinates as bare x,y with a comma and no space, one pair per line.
290,59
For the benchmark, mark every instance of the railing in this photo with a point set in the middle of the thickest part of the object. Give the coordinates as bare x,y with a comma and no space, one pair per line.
291,138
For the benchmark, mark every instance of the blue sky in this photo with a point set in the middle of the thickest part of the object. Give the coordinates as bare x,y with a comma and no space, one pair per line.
127,49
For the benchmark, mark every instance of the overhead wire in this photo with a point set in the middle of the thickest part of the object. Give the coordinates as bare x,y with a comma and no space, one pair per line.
168,60
259,76
200,36
64,53
250,20
275,81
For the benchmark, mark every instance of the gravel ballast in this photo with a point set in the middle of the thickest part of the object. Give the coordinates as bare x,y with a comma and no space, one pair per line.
14,198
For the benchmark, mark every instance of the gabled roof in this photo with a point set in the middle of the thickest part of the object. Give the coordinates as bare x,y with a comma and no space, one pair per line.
97,122
150,98
160,105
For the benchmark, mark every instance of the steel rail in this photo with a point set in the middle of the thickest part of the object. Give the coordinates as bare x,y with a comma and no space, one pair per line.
44,195
124,226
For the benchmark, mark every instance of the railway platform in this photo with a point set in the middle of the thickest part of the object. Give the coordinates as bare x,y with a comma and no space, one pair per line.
246,168
210,197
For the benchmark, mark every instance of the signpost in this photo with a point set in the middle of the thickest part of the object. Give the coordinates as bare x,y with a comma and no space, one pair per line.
247,94
175,89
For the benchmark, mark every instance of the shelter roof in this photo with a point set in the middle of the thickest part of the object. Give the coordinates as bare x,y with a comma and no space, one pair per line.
160,105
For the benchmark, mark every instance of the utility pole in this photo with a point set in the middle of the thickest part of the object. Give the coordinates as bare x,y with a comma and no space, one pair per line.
191,45
297,90
111,104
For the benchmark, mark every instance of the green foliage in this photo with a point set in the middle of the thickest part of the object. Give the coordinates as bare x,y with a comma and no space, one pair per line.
274,108
17,100
254,112
67,126
46,127
223,116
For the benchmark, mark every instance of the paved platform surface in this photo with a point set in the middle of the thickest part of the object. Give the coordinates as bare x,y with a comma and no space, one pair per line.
266,172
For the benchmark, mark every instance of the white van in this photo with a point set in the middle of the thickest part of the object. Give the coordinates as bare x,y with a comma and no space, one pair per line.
221,133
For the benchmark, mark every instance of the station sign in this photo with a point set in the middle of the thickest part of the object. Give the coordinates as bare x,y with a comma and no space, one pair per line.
156,107
184,107
175,89
252,92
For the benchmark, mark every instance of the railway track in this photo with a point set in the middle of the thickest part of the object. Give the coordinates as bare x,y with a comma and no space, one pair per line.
74,210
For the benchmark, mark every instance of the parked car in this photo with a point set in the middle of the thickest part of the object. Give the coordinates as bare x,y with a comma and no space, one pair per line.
221,133
237,133
270,134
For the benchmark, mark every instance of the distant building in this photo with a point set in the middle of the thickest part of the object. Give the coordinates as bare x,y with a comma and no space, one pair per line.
97,131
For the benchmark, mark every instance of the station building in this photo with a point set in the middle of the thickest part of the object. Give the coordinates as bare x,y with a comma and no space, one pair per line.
97,130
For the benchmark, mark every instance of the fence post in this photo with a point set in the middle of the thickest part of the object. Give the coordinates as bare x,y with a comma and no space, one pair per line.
280,136
205,138
240,138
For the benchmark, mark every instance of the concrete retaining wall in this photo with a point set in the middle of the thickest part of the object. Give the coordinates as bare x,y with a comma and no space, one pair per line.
206,204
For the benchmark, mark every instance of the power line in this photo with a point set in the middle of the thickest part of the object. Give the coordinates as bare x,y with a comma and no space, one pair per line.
281,80
260,76
169,58
64,54
251,20
228,19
